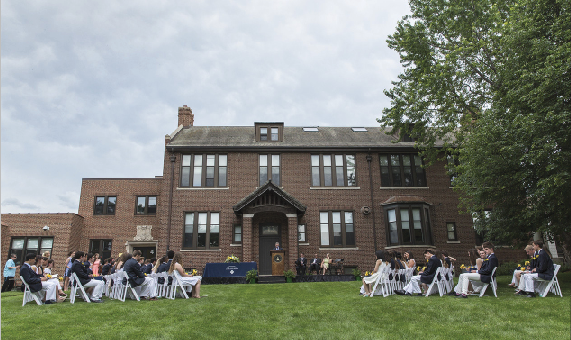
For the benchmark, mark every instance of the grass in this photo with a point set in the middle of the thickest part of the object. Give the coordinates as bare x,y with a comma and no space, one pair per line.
324,310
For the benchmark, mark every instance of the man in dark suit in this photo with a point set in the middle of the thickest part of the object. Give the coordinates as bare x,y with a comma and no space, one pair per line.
315,264
37,282
543,270
277,246
478,277
145,286
85,278
425,277
301,264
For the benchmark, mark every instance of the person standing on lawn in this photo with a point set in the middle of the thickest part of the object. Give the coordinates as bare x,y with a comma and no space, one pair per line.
9,273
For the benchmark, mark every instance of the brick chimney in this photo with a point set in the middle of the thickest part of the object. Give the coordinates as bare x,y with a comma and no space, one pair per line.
185,116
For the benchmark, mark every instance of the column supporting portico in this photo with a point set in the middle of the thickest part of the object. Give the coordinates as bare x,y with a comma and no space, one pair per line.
247,238
292,222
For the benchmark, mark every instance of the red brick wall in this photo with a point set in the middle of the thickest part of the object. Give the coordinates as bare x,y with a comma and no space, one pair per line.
63,227
122,226
73,232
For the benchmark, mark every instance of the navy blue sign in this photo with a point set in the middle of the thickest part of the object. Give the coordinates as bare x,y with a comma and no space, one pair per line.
228,269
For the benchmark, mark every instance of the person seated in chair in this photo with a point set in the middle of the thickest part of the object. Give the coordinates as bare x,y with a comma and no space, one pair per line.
425,277
106,269
148,267
87,263
145,286
315,264
517,273
85,278
37,282
543,270
325,264
193,281
48,271
301,264
477,277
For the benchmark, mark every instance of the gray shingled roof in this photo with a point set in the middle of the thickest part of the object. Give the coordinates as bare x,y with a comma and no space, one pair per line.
293,137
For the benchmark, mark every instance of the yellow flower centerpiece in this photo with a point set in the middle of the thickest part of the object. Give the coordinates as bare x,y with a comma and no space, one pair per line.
194,272
232,259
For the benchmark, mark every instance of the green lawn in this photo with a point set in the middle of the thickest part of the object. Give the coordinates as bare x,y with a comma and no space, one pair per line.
296,311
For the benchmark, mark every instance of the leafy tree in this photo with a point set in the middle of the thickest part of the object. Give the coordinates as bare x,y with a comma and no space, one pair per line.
489,82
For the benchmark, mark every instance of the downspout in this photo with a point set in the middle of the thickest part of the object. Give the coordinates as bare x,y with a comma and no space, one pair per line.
373,208
172,159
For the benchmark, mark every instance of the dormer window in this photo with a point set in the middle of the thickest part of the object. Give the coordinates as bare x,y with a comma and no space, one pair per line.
269,132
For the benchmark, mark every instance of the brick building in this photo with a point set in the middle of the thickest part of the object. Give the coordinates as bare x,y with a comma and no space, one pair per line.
237,190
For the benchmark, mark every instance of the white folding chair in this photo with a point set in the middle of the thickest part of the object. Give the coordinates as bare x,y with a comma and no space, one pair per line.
546,286
381,286
29,296
178,283
436,283
493,284
162,288
107,288
409,274
75,285
449,282
401,282
127,288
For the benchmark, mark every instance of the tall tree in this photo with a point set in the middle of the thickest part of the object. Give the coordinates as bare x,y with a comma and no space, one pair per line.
492,81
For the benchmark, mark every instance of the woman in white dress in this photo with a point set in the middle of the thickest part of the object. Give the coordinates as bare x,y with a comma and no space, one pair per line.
409,259
187,279
48,271
368,281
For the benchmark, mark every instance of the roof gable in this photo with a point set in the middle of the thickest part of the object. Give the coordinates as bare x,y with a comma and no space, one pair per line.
268,195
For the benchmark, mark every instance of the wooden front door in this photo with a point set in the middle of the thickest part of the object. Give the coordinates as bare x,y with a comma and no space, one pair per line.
269,235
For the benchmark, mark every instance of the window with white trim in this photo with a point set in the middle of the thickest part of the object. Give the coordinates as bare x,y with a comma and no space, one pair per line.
408,224
204,170
270,168
333,170
336,229
402,170
201,230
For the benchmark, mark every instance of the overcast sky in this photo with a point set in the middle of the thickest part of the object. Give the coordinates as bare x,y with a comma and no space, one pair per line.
90,88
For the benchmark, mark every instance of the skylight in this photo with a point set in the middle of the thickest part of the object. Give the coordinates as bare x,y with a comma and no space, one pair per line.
359,129
311,129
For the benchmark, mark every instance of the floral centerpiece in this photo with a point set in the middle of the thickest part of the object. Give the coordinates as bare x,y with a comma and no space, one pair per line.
232,259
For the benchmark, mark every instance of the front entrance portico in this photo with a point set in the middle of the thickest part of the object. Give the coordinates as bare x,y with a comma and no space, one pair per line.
269,215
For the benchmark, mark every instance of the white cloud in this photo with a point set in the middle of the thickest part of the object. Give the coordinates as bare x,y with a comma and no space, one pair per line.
89,89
